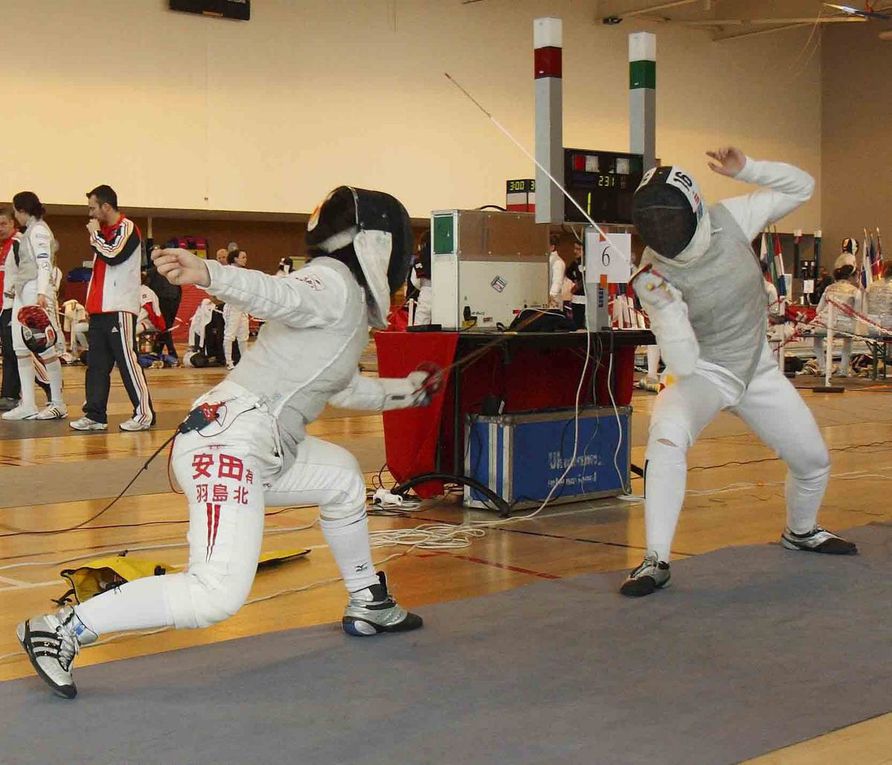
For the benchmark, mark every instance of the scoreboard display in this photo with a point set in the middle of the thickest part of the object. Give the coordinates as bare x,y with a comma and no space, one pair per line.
229,9
603,183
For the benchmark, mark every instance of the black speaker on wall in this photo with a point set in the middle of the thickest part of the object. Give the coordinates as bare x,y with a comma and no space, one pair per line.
229,9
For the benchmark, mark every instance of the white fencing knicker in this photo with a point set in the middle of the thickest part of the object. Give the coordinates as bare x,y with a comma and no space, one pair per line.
229,471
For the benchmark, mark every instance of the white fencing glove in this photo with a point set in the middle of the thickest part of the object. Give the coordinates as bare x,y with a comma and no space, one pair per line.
668,321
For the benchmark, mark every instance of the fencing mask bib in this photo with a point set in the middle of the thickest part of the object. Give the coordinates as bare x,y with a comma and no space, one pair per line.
371,233
667,209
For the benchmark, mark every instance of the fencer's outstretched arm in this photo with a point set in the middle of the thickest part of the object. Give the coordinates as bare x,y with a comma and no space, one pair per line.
311,297
382,394
785,188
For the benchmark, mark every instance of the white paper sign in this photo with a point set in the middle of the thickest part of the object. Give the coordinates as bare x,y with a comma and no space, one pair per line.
613,257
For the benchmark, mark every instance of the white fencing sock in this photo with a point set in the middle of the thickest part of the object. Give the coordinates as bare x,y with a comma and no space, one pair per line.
804,496
137,605
26,375
665,479
349,543
54,372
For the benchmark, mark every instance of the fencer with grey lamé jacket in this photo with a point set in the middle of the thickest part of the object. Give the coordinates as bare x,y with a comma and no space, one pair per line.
35,257
730,327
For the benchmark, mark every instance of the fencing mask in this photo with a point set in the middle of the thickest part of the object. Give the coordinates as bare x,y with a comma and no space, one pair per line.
370,232
37,329
667,210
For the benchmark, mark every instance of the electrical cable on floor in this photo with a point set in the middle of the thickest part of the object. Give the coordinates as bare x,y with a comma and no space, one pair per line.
17,531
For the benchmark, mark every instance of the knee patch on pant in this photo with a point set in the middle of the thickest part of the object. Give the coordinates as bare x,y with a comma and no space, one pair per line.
348,505
199,598
337,515
668,443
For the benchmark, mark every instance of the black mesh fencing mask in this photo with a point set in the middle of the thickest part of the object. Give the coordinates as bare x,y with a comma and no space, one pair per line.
666,210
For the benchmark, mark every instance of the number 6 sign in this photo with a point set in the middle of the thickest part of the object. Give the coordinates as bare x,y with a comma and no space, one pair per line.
612,257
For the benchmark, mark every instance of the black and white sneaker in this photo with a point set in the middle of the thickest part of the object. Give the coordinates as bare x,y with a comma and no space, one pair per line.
653,574
373,610
818,540
52,642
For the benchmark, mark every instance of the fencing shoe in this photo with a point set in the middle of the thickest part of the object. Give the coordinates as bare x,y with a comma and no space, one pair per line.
651,575
85,423
21,412
53,412
7,403
133,425
373,610
51,642
818,540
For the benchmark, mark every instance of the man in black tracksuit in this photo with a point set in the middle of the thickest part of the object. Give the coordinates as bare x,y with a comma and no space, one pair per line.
113,305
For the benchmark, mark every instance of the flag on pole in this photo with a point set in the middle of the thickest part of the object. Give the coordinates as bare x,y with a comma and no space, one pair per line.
879,251
779,279
865,262
876,267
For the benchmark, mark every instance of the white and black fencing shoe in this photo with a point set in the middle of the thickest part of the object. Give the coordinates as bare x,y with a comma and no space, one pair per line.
652,574
818,540
51,642
53,412
372,610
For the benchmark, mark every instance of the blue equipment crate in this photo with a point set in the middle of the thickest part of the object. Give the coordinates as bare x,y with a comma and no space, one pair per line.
520,456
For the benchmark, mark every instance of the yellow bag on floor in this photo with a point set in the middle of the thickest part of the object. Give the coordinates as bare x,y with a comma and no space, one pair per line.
105,574
277,557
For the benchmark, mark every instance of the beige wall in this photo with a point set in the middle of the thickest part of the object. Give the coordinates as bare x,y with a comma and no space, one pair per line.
856,154
181,111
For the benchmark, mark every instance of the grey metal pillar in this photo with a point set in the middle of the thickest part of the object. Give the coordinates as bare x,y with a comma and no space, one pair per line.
549,119
643,96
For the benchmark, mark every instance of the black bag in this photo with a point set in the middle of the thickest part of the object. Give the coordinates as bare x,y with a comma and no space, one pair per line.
541,320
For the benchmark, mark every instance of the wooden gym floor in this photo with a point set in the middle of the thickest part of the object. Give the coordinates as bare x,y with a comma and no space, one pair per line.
727,504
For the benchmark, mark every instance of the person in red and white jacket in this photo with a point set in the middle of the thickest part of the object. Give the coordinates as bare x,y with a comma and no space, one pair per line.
113,305
149,318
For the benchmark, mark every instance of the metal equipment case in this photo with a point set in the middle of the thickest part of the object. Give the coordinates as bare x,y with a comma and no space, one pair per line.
520,456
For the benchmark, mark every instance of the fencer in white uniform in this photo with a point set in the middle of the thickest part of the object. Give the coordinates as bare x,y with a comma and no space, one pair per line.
149,318
235,321
199,322
32,282
235,330
420,279
74,320
701,285
245,444
557,268
843,292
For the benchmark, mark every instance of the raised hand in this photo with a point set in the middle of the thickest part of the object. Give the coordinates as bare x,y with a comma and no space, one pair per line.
729,160
181,267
